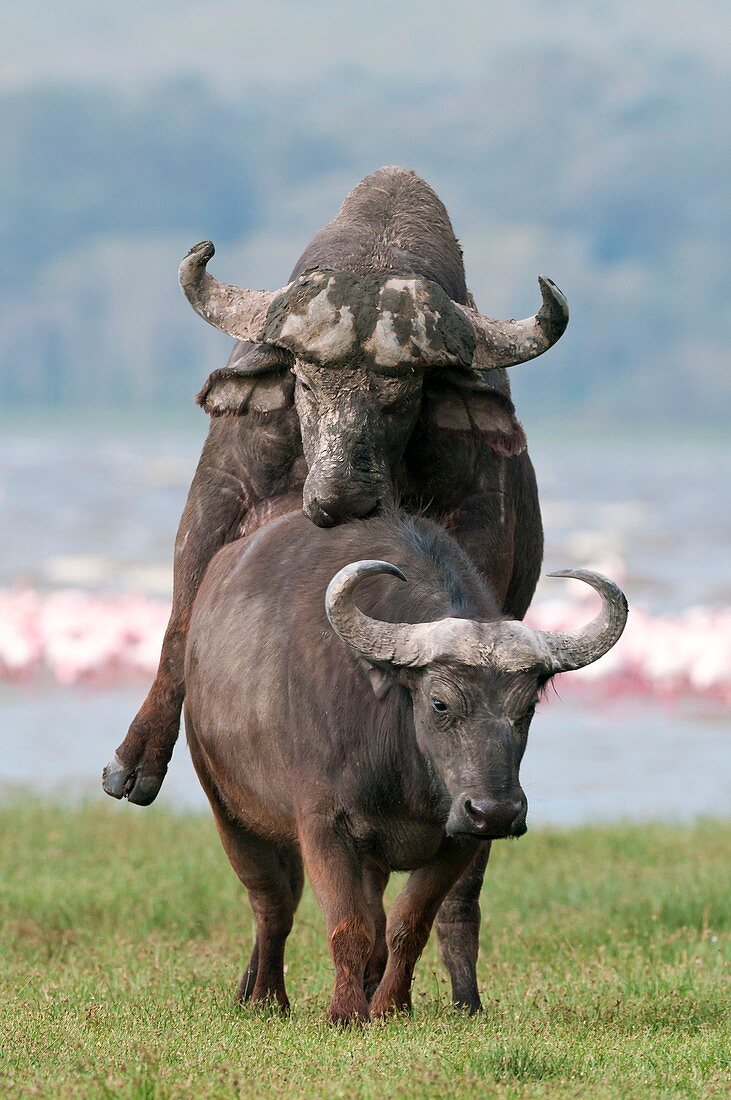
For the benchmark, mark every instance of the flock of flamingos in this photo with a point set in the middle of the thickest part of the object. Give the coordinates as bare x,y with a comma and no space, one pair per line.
71,636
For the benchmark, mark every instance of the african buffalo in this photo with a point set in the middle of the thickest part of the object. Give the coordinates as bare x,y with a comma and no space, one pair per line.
303,766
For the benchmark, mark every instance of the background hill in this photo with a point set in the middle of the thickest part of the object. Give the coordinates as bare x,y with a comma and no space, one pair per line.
588,142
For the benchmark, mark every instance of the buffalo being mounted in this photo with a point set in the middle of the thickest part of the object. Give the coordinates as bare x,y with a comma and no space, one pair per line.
370,377
302,765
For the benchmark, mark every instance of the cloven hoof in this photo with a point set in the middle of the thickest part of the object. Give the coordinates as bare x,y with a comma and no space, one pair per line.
120,781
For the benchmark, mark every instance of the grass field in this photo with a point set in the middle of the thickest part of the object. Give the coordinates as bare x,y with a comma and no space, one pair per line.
604,968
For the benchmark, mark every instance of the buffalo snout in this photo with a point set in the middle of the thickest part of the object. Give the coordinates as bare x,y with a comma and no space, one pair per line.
329,501
487,817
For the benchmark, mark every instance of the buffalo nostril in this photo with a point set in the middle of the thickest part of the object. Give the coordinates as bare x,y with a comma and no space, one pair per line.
499,817
473,808
480,812
337,509
519,827
331,506
314,511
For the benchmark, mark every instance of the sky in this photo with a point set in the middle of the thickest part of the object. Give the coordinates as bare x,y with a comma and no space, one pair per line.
237,42
583,139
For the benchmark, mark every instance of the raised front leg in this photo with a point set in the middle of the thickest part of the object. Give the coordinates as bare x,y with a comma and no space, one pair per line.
336,875
213,515
458,932
410,921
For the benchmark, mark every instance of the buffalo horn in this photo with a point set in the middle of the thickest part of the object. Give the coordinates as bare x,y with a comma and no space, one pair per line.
242,314
505,644
377,640
574,650
238,312
409,644
506,343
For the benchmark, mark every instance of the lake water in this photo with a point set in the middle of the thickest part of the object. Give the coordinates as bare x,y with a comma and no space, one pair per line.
97,508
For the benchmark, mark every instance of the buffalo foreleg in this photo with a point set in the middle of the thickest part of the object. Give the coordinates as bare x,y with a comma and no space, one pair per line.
141,761
458,932
375,880
410,920
264,962
336,876
213,515
273,877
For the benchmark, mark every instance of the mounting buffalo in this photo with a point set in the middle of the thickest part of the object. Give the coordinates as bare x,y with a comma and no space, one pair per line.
370,377
303,765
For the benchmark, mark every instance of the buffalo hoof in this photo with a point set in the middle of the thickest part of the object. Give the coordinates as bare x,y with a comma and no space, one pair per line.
248,980
349,1011
120,781
273,1002
470,1005
390,1004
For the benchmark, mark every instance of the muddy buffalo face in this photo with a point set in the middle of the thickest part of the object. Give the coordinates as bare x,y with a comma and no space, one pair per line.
355,425
360,347
474,687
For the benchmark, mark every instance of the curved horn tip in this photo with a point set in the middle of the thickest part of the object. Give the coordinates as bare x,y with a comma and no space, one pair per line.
580,575
554,300
576,649
203,251
596,580
349,577
193,269
394,570
367,567
378,641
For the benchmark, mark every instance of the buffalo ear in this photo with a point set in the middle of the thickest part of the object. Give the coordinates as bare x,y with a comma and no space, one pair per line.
256,378
380,677
469,407
381,681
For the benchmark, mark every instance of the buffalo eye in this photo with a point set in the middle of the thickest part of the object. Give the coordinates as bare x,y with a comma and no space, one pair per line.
305,385
439,706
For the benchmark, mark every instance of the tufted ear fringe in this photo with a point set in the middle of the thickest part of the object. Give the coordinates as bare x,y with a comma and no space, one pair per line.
256,377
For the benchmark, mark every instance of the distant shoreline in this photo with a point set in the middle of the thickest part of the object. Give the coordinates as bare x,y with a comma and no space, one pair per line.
181,420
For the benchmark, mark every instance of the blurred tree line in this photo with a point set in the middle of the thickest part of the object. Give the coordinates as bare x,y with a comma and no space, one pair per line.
609,181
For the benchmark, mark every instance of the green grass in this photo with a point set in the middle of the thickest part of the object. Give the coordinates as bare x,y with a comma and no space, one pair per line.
123,933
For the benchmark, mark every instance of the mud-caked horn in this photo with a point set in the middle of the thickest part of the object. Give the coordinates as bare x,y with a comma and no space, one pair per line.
308,318
234,310
506,343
